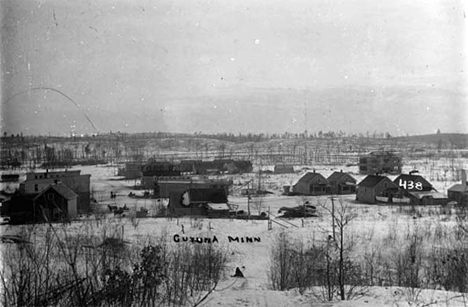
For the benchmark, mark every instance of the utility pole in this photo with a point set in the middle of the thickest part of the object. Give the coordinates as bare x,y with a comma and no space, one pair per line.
333,217
248,199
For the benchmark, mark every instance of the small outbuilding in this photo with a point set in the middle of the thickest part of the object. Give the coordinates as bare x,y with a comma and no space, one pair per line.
203,201
459,192
374,186
284,169
427,198
312,183
342,183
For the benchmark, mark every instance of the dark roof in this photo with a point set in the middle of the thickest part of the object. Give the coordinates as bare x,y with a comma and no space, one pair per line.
210,195
61,189
10,177
458,188
371,181
312,176
415,178
382,153
337,176
433,194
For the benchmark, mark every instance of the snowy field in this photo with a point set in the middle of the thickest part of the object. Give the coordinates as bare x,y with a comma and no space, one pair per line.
375,227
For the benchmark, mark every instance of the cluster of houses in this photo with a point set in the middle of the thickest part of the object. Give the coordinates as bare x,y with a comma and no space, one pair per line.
48,196
152,169
195,167
62,195
405,189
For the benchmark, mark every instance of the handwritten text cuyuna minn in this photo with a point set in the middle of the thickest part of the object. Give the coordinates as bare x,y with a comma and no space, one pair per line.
214,239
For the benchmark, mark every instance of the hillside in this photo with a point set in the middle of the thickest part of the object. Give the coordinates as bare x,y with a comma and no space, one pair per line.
458,140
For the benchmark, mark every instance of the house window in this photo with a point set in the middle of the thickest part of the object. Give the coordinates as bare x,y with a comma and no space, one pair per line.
50,197
385,185
36,188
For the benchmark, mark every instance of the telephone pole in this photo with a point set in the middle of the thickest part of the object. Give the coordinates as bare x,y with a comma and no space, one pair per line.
333,216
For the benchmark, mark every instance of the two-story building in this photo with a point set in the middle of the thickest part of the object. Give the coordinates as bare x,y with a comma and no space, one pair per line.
80,184
379,162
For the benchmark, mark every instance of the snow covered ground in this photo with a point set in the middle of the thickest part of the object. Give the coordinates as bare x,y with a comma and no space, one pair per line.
372,226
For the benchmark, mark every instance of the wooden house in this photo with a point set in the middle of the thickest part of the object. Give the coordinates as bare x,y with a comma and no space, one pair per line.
413,183
55,203
372,187
342,183
419,190
312,183
79,183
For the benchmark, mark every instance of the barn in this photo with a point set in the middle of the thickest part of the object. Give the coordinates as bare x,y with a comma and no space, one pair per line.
374,186
342,183
312,183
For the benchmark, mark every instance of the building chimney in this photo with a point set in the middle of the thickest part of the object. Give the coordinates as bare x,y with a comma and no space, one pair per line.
463,176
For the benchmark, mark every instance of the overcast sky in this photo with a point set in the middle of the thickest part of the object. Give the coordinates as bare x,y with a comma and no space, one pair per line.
267,66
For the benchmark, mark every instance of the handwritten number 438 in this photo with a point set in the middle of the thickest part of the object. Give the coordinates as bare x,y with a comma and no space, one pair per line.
410,185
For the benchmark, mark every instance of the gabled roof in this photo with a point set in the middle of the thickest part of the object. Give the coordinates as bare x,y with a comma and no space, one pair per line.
414,178
311,176
337,176
61,189
371,181
458,188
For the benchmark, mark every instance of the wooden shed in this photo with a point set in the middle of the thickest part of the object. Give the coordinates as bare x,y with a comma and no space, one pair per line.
204,202
459,192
